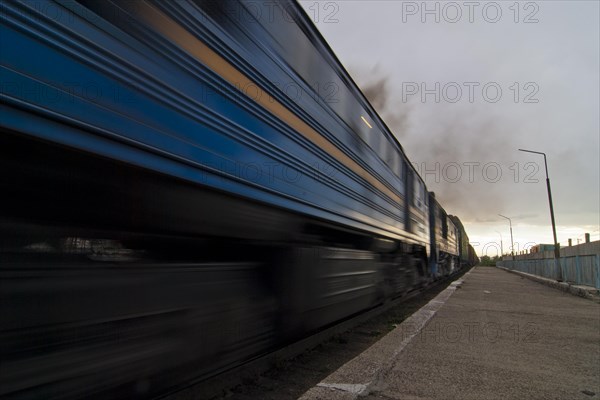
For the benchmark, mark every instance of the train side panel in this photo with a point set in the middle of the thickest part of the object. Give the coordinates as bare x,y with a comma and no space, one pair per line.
161,104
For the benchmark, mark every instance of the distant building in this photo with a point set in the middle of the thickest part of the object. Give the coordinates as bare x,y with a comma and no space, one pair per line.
538,248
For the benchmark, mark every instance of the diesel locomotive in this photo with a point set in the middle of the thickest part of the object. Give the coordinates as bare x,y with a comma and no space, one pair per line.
187,185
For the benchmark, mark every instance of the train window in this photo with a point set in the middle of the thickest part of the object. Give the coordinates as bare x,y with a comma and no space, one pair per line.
395,161
373,140
419,193
385,149
387,153
444,226
360,132
416,201
400,168
392,159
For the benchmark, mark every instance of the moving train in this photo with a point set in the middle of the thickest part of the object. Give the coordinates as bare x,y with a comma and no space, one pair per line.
186,186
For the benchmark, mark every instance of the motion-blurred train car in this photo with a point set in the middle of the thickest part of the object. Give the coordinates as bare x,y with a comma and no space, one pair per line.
445,240
467,254
186,186
472,257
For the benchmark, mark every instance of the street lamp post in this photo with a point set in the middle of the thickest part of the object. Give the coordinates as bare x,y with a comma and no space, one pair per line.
556,249
512,245
501,246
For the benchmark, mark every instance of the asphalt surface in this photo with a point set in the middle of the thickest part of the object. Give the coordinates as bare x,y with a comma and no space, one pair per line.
496,335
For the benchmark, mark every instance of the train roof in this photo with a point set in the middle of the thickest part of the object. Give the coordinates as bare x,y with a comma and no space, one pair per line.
307,25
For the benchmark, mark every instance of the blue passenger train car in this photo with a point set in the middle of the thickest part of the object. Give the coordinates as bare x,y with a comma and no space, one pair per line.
186,186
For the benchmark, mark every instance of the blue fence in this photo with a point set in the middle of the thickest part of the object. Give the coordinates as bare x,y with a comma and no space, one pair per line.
579,270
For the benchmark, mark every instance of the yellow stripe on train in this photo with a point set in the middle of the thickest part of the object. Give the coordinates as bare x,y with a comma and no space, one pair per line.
194,46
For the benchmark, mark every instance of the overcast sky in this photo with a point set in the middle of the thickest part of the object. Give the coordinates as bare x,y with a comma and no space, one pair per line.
463,93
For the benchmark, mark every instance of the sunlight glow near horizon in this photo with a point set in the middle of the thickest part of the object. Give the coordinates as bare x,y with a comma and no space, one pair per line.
486,241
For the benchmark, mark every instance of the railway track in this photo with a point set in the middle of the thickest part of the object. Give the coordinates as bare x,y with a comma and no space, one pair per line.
288,372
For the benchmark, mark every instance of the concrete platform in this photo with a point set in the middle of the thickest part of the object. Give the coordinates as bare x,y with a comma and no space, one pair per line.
491,335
